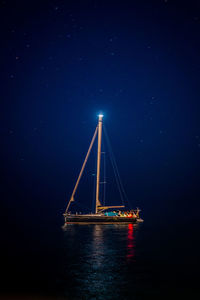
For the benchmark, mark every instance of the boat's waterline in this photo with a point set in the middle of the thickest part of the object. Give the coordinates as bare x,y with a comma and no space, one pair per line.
96,219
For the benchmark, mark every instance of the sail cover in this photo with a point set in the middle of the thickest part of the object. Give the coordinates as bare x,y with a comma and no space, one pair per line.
111,214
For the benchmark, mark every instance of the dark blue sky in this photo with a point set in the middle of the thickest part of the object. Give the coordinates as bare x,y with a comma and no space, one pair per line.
61,63
64,61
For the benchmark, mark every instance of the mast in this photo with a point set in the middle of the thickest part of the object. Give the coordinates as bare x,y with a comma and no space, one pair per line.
98,203
98,206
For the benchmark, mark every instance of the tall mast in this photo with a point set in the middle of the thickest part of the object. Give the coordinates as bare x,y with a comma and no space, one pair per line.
98,161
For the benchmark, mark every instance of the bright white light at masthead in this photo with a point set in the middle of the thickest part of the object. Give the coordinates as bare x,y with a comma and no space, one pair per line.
100,115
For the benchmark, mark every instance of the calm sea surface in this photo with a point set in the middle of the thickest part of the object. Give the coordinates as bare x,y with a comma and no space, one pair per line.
104,262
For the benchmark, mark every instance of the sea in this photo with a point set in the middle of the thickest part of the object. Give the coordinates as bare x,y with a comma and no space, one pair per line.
149,260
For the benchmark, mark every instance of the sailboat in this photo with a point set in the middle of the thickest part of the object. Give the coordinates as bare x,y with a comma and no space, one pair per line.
102,213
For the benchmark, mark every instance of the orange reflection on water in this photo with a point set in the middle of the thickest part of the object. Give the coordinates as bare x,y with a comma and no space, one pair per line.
130,242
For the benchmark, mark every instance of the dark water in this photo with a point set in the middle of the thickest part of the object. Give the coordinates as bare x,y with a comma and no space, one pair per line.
102,262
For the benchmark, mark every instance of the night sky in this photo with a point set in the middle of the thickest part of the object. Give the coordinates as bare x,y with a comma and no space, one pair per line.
62,62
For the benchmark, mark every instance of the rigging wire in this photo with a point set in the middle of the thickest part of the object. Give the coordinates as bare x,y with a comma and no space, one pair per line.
94,191
104,178
122,192
94,185
114,166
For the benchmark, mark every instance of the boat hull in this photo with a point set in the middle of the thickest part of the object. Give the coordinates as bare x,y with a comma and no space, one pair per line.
92,219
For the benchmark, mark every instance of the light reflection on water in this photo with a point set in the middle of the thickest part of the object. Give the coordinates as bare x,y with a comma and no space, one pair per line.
130,242
97,258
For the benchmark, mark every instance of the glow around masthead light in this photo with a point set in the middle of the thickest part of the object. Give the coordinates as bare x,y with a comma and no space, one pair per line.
100,115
